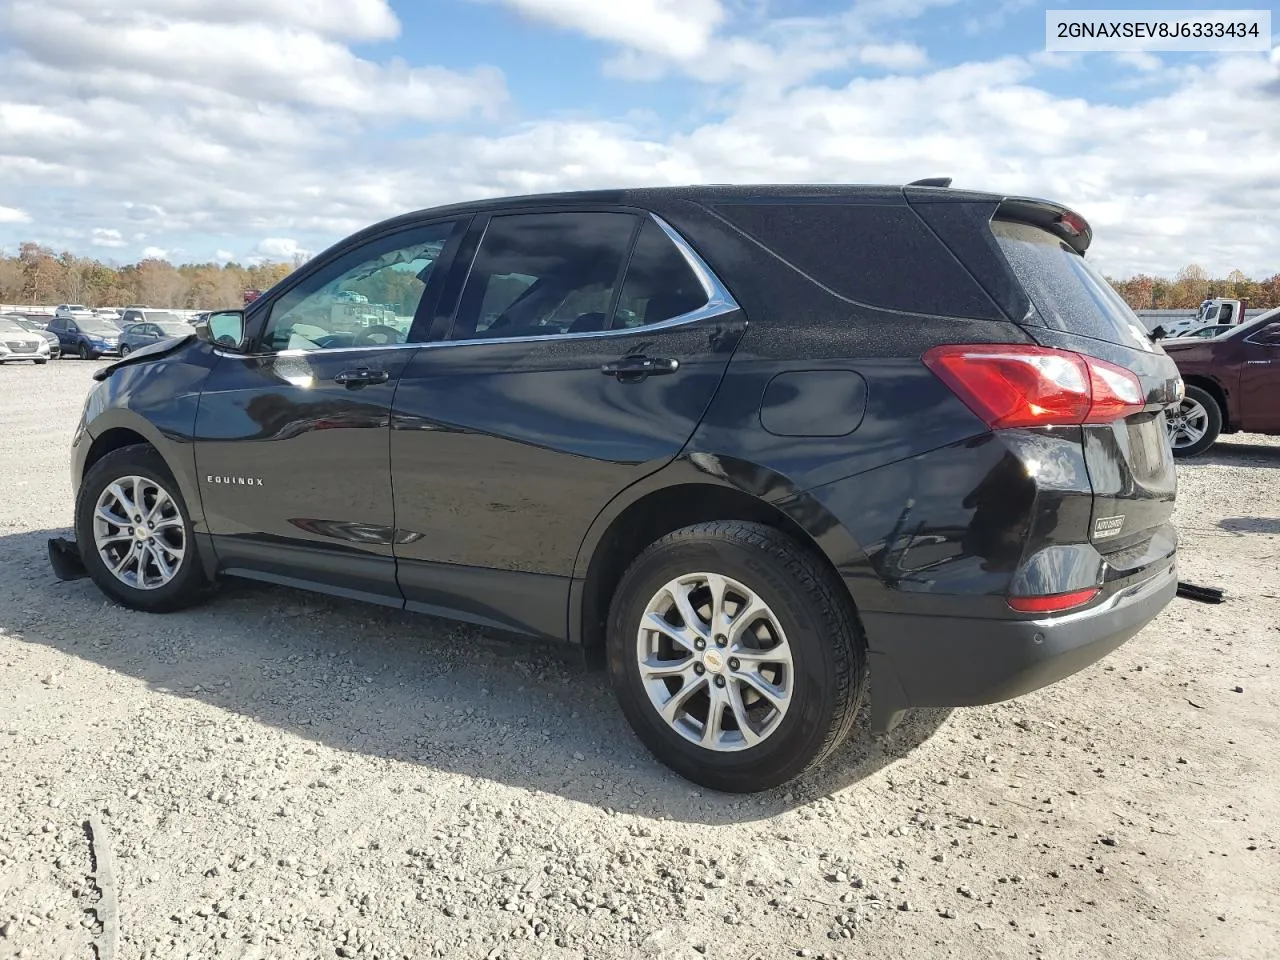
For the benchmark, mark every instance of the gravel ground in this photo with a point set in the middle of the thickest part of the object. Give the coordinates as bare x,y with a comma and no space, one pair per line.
284,775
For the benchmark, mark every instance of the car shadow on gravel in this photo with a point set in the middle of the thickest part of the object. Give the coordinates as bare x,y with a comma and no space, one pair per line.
1250,524
402,687
1227,453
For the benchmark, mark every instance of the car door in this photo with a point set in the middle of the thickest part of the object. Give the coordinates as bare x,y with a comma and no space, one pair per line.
292,432
1260,380
134,335
583,348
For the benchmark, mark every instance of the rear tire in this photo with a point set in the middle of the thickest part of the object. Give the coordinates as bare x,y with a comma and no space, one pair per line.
798,678
156,571
1195,426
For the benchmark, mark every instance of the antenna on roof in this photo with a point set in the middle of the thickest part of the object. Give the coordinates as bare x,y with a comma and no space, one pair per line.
931,182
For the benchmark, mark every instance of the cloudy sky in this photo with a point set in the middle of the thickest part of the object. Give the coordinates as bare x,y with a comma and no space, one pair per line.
220,129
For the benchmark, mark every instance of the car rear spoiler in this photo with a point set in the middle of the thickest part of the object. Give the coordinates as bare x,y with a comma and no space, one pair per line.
1054,217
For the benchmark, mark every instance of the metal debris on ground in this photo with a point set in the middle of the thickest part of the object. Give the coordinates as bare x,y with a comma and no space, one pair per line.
104,877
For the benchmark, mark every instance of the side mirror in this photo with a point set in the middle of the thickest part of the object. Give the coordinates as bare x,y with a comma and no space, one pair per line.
223,329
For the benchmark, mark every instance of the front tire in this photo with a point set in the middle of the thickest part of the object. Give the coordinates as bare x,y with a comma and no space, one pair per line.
1196,424
135,535
735,655
124,352
84,352
41,362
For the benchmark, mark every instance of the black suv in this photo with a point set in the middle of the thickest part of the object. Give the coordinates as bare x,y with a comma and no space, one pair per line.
748,444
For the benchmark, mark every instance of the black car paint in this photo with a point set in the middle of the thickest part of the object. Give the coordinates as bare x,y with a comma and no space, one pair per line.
481,480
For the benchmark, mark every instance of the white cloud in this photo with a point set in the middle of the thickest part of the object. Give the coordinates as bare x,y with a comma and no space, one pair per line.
701,39
1140,60
894,56
223,256
154,253
107,238
678,29
348,19
14,215
281,248
213,62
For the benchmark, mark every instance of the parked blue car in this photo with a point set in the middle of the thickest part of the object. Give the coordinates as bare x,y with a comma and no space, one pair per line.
151,327
86,338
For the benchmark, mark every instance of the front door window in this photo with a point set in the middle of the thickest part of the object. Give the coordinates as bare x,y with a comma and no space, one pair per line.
368,297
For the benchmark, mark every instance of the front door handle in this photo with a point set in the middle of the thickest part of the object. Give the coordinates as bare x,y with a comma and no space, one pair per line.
635,368
361,377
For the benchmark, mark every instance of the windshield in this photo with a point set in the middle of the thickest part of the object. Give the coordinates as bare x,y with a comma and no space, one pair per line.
172,328
10,326
97,326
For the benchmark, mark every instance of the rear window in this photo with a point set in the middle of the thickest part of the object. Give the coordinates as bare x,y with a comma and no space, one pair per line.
1068,292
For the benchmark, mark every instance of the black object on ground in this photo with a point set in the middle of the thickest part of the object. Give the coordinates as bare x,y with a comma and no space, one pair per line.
64,557
1190,591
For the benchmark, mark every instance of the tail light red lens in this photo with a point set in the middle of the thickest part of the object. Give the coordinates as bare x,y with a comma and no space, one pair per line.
1012,385
1055,603
1073,223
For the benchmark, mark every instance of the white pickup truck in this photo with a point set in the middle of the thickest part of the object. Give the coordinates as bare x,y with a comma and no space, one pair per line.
1210,313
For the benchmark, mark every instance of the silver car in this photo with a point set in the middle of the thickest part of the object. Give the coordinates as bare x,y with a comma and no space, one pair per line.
17,343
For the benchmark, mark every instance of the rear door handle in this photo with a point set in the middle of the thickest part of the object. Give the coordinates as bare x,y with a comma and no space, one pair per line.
636,368
361,377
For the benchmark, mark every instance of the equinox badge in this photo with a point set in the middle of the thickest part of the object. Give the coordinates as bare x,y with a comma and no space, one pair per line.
235,481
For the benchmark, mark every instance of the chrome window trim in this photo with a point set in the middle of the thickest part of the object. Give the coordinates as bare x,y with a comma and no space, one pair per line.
719,302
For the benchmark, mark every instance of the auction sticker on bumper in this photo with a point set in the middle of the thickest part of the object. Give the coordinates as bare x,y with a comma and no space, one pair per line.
1107,526
1225,31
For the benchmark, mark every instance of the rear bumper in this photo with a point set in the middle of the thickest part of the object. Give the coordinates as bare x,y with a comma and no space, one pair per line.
936,661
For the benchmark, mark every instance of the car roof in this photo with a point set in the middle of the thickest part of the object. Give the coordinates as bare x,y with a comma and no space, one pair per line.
715,193
1030,209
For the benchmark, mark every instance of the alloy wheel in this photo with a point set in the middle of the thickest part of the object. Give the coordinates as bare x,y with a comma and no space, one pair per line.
139,532
715,662
1188,424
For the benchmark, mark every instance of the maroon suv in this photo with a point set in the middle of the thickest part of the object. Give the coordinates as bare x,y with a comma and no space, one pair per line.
1233,384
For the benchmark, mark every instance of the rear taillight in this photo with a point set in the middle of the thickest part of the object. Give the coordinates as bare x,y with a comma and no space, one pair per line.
1010,385
1055,603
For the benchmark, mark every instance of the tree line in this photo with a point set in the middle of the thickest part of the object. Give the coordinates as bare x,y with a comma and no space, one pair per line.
39,276
36,275
1193,284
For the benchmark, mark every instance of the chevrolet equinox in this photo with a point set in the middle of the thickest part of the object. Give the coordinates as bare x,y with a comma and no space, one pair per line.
749,446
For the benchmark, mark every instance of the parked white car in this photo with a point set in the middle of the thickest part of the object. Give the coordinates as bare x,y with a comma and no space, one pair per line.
73,311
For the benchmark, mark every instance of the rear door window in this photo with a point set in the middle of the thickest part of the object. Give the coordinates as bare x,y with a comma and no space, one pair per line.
542,274
1069,294
660,284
